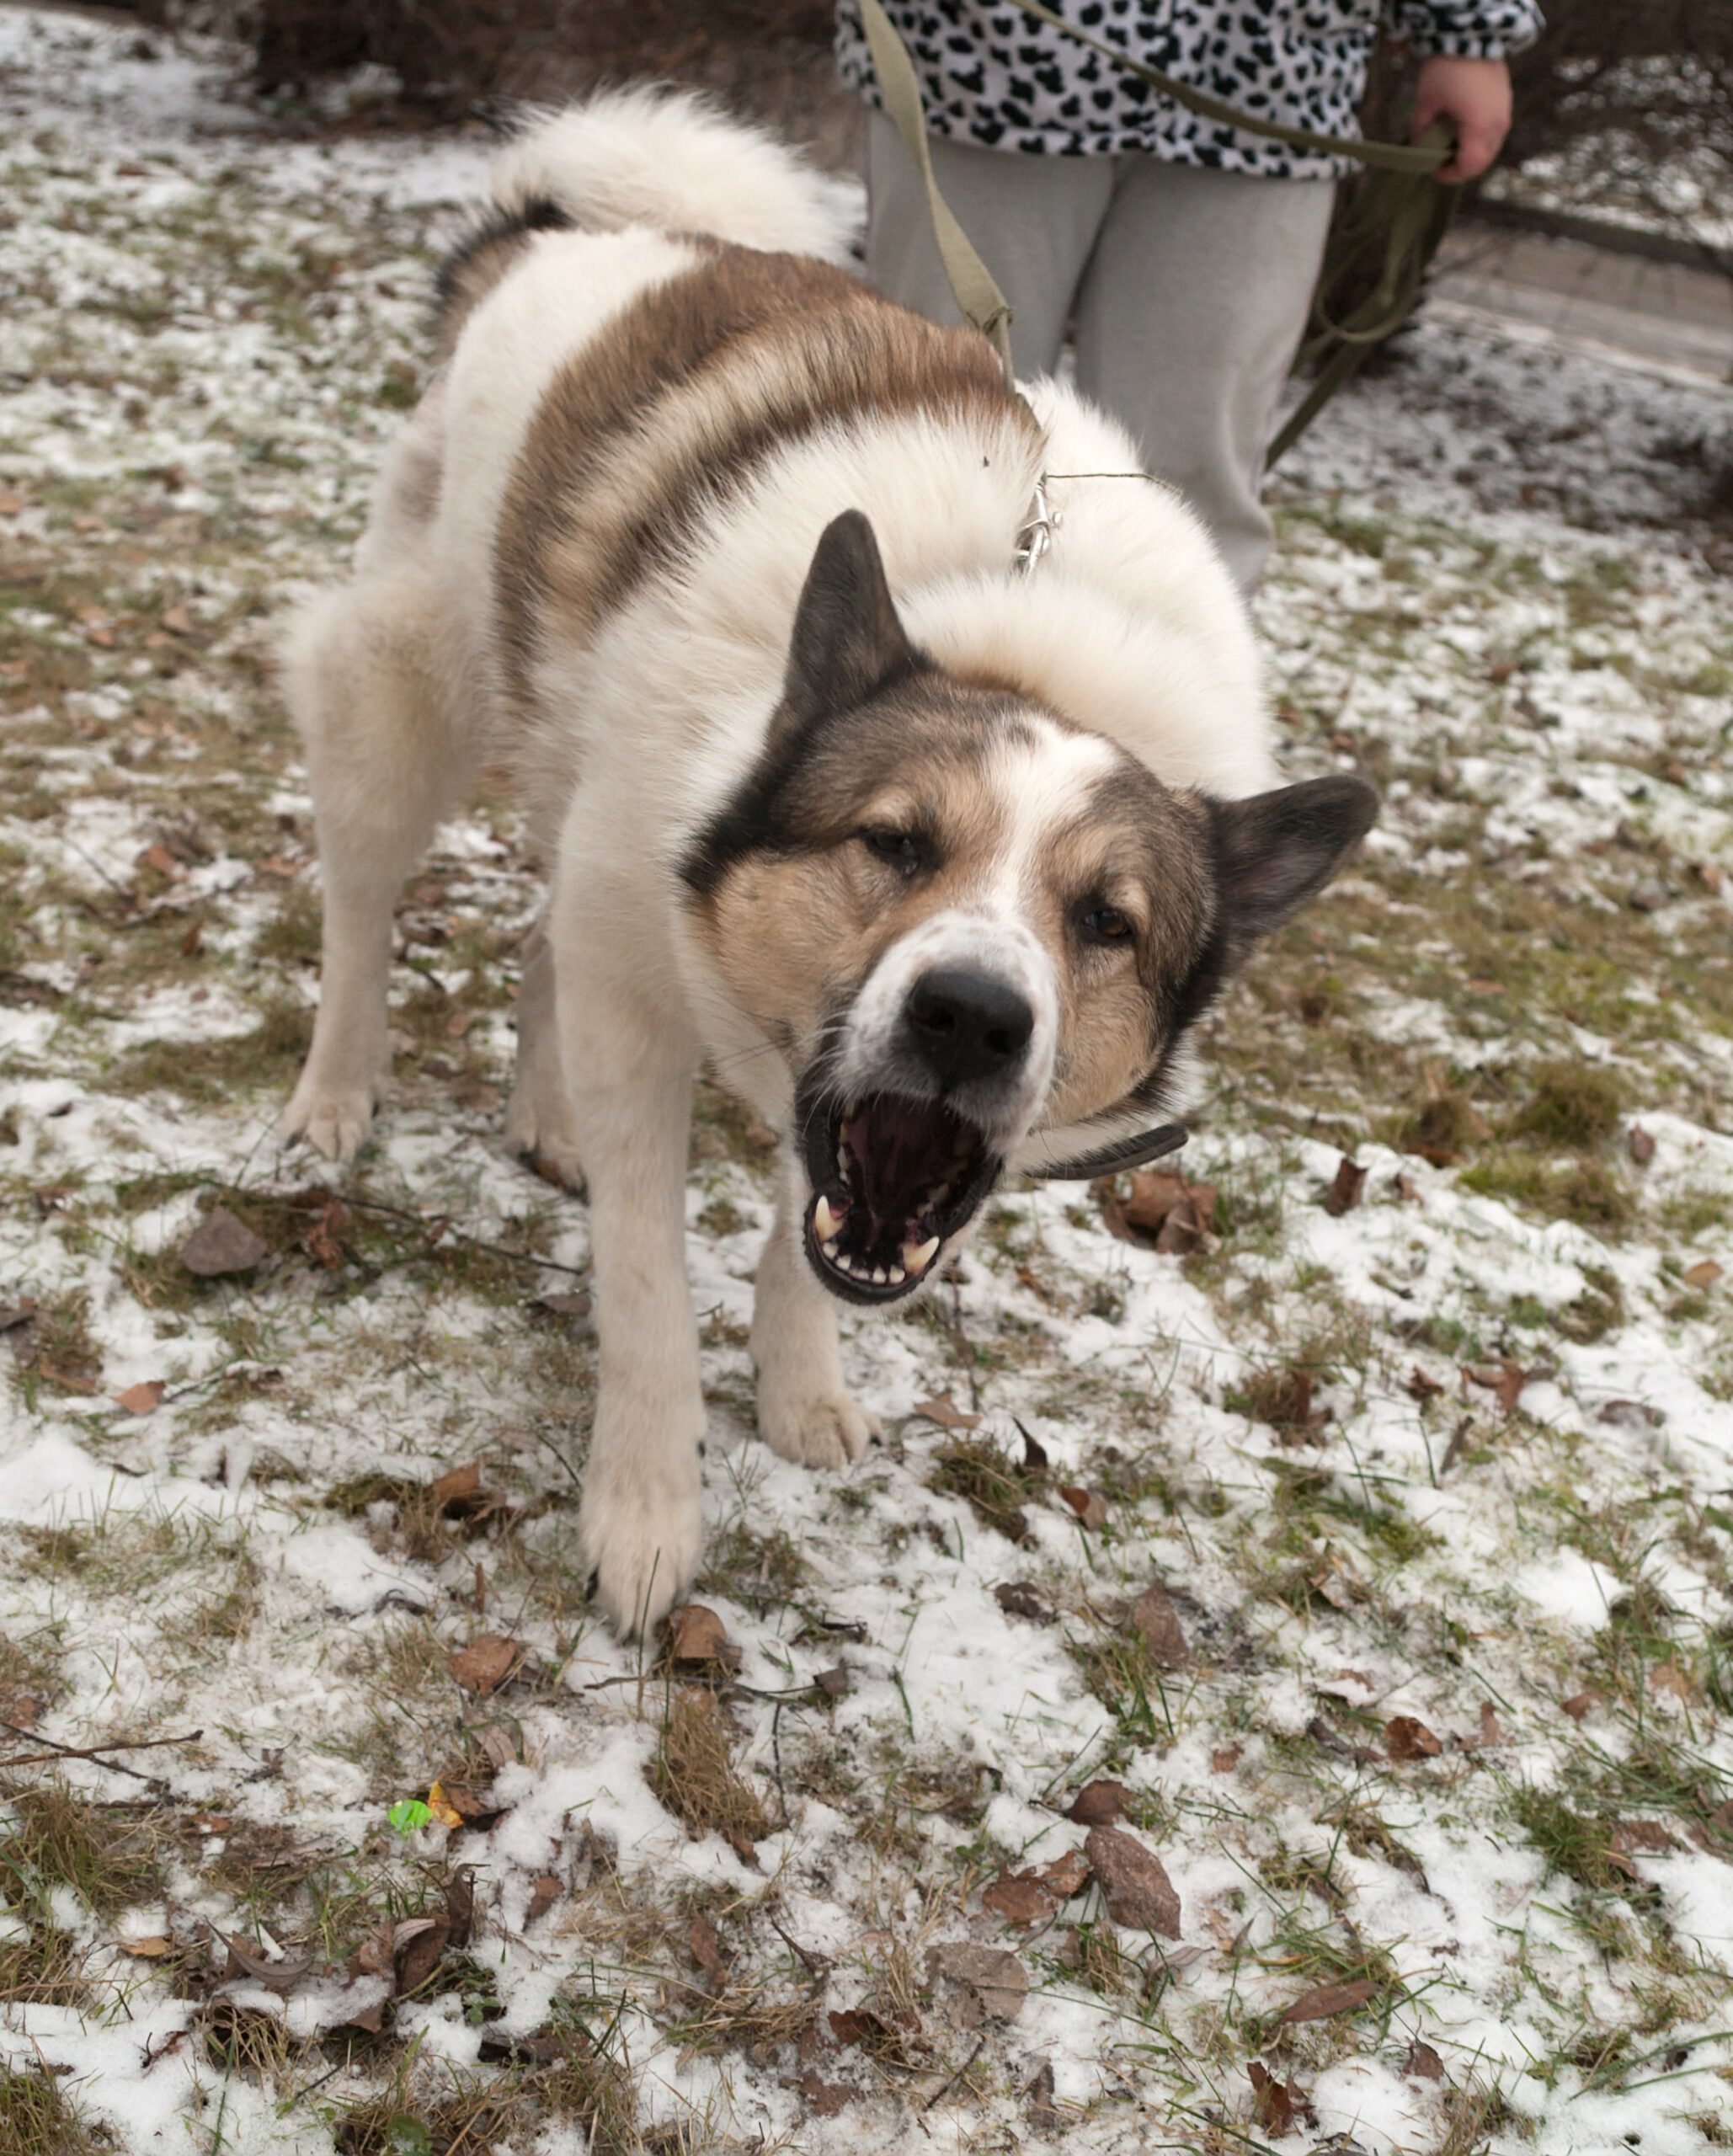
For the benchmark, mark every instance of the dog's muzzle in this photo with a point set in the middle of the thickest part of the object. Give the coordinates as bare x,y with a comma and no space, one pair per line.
899,1167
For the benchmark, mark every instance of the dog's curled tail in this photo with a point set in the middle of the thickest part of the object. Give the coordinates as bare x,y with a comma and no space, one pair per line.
652,157
669,159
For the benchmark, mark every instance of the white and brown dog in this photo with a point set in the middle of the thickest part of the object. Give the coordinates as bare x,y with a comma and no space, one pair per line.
936,857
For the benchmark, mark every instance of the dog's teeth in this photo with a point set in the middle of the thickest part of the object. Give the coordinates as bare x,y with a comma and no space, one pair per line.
878,1276
896,1276
917,1257
842,1161
830,1248
826,1223
940,1195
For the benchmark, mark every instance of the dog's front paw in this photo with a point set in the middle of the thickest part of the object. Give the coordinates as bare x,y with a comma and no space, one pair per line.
334,1119
818,1429
643,1547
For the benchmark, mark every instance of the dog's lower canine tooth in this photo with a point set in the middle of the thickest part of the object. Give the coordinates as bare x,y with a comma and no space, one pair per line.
826,1223
917,1257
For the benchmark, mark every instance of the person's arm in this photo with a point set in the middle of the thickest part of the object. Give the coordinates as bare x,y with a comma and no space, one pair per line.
1463,45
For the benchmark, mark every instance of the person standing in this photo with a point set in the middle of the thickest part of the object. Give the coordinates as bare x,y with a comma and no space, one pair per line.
1184,252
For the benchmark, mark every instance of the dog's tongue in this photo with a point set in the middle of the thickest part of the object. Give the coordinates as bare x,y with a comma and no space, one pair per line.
902,1149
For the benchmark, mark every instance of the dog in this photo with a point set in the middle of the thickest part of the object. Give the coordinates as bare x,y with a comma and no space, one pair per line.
933,817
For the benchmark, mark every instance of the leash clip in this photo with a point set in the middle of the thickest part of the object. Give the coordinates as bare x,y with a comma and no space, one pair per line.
1036,536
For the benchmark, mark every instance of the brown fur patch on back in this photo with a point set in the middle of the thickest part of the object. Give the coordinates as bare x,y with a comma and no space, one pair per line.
481,260
680,400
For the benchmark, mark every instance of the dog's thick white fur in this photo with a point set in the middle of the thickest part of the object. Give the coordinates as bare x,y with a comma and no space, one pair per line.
632,733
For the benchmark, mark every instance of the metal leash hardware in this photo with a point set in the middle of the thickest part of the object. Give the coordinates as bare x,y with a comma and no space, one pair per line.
1133,1152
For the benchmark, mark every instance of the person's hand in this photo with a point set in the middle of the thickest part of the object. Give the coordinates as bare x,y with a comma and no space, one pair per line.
1475,93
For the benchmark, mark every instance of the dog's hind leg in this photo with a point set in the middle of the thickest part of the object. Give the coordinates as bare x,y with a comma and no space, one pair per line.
386,759
804,1409
539,1121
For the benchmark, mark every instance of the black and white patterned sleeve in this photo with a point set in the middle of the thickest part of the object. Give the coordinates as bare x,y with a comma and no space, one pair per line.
1465,29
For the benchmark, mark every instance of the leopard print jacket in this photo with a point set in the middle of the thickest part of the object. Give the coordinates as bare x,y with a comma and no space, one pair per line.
989,74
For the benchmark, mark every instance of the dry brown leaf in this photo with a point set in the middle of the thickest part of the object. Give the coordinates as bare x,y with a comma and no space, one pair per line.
1640,1144
1090,1505
1021,1898
145,1949
1322,2001
142,1398
485,1663
1423,2063
458,1492
320,1241
1138,1891
221,1244
1667,1676
1648,1835
1018,1599
1280,2107
1067,1875
823,2099
177,621
998,1979
158,857
544,1893
1344,1193
1704,1274
1099,1804
706,1950
1419,1386
459,1023
697,1635
1407,1739
1492,1729
1579,1704
1224,1761
945,1412
11,505
1157,1624
1506,1378
417,1945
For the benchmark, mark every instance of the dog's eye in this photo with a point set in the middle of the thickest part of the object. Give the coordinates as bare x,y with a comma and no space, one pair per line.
1104,925
901,849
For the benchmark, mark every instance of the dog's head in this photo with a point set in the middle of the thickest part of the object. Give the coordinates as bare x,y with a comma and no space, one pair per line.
977,933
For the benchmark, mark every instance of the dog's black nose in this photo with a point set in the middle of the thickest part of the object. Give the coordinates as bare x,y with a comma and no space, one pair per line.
967,1026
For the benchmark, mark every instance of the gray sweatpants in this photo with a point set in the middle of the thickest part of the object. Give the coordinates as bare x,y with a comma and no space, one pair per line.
1189,288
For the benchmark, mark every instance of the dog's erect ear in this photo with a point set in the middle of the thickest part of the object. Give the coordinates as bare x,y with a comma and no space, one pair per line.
848,644
1276,849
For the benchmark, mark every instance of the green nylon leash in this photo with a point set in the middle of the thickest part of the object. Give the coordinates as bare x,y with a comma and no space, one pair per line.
1401,208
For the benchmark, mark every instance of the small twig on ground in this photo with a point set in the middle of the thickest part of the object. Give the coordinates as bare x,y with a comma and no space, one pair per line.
815,1964
945,2088
91,1751
435,1228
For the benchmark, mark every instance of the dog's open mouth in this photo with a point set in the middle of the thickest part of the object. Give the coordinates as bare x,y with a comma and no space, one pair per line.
892,1178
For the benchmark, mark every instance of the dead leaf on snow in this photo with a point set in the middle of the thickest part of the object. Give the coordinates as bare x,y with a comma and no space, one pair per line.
1579,1704
279,1976
458,1492
698,1637
1137,1889
1506,1378
1021,1898
1424,2063
1407,1738
945,1412
544,1893
1018,1599
1224,1761
1324,2001
484,1664
145,1949
1157,1624
220,1245
1344,1193
417,1945
1419,1386
1090,1505
1099,1804
142,1398
1704,1274
706,1950
1280,2107
1640,1144
998,1979
823,2099
1647,1835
